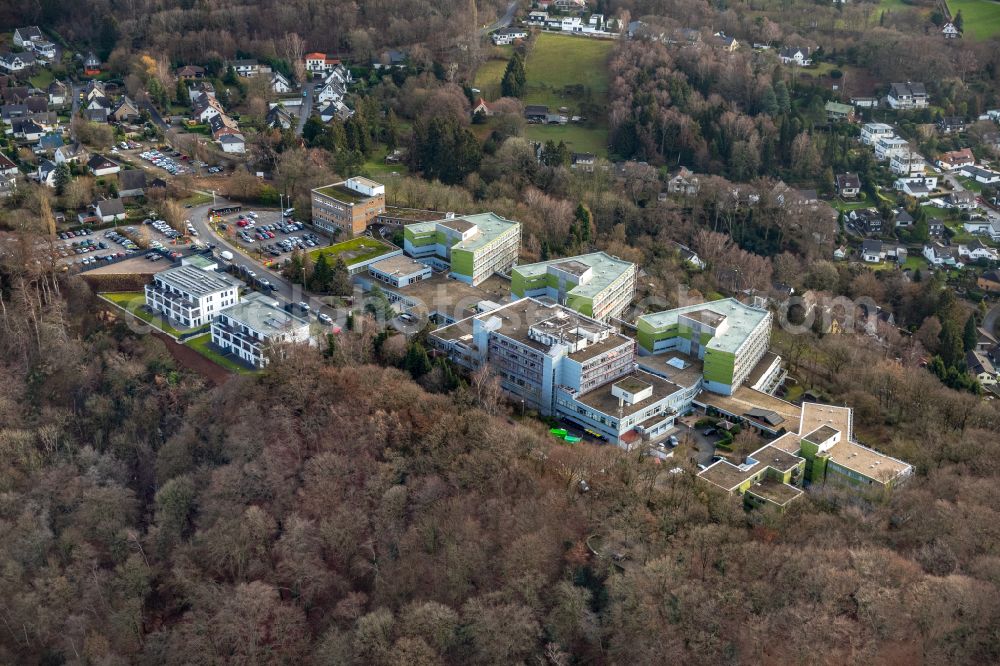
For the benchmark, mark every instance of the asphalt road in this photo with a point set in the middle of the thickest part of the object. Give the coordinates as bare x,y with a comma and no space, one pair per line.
306,109
501,22
285,292
154,115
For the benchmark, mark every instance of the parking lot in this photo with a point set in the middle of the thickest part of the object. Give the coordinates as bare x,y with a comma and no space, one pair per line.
269,234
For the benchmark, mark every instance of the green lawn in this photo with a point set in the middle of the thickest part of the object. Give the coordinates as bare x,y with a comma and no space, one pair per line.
203,345
970,184
981,18
375,166
42,79
197,199
579,139
915,262
562,71
353,251
133,301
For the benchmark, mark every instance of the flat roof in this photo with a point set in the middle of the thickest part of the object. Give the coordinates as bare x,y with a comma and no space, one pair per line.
675,366
728,476
262,314
458,224
603,401
439,293
848,453
758,370
741,320
490,226
744,400
367,182
195,281
814,416
606,269
398,266
775,491
342,193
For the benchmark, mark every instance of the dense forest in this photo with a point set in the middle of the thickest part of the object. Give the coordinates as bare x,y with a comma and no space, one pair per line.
332,510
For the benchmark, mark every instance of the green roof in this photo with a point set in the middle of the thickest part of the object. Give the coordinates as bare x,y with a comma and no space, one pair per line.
490,226
741,321
606,269
839,108
341,193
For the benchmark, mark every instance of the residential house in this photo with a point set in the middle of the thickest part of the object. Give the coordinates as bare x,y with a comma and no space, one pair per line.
190,72
569,5
919,187
339,75
888,146
840,253
14,94
725,43
483,107
867,221
689,256
46,173
848,185
956,159
683,36
206,108
951,125
865,102
98,115
537,18
794,55
249,67
31,33
975,250
981,367
45,51
319,63
7,166
990,228
872,132
907,95
907,164
964,200
278,117
330,92
131,183
337,110
583,161
390,59
110,210
935,228
940,255
59,93
233,143
508,36
102,166
221,125
280,83
71,154
902,219
50,143
684,183
125,111
98,102
836,111
872,251
94,88
989,282
91,64
27,130
17,62
201,88
950,31
980,175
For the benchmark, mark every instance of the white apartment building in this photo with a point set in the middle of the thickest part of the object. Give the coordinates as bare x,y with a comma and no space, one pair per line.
251,328
888,146
191,296
907,164
872,132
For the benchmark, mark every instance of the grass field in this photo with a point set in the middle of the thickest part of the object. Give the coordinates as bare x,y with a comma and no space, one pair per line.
203,345
555,63
490,72
353,251
42,79
981,18
132,302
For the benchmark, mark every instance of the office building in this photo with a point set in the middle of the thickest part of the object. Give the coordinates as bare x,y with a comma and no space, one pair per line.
399,271
349,206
